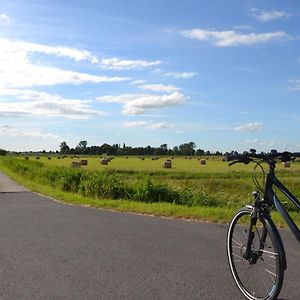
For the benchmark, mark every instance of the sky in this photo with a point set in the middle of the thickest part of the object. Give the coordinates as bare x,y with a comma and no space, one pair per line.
224,74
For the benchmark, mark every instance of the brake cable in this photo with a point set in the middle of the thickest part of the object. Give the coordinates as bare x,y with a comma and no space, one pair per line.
254,176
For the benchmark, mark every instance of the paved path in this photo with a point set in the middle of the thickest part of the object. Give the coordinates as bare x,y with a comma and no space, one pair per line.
9,186
50,250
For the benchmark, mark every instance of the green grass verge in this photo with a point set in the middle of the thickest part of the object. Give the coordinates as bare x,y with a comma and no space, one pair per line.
212,214
157,209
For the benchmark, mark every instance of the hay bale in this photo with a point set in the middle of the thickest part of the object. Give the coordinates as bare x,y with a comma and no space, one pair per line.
75,164
286,164
84,162
203,161
104,162
167,164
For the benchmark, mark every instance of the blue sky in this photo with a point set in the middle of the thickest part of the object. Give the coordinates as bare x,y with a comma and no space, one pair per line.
223,74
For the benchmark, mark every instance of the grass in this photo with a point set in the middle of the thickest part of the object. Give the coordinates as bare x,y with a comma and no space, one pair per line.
212,192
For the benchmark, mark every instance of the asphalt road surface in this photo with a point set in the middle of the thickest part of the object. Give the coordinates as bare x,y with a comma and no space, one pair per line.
50,250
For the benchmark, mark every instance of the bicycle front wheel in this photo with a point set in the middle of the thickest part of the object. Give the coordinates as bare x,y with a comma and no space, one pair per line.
260,276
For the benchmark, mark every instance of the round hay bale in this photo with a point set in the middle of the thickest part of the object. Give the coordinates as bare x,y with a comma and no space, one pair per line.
203,161
104,162
84,162
167,164
75,164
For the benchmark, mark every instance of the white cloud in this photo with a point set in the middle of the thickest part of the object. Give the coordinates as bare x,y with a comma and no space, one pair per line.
148,125
40,104
232,38
135,124
249,127
161,125
16,69
138,82
181,75
134,104
27,47
244,27
265,16
126,64
159,88
11,131
4,18
123,98
294,85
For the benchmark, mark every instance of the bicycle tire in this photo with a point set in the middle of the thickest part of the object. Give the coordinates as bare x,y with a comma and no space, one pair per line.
263,279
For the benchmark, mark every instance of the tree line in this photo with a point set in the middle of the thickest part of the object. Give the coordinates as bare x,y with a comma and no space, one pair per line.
187,149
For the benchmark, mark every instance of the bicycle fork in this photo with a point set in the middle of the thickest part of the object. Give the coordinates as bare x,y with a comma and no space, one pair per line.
251,254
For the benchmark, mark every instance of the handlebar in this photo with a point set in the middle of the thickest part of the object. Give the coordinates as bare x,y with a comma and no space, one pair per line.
273,155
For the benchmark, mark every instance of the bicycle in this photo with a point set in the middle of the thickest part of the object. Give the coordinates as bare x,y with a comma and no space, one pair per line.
255,249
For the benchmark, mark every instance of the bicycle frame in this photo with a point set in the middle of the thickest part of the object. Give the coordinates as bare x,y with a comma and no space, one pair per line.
271,197
294,228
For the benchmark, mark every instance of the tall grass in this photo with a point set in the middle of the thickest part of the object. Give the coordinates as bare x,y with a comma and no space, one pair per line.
111,185
182,188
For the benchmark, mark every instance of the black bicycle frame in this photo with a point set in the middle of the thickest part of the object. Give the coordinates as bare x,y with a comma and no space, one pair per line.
272,198
281,208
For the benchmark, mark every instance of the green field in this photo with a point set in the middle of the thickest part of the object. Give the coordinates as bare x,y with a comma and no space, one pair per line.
207,191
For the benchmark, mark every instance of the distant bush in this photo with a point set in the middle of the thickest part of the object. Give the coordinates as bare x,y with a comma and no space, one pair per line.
3,152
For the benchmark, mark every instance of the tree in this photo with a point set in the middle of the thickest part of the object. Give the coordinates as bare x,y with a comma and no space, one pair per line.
64,148
187,148
200,152
82,145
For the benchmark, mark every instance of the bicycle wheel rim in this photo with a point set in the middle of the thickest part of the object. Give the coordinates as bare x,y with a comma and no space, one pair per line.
261,280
